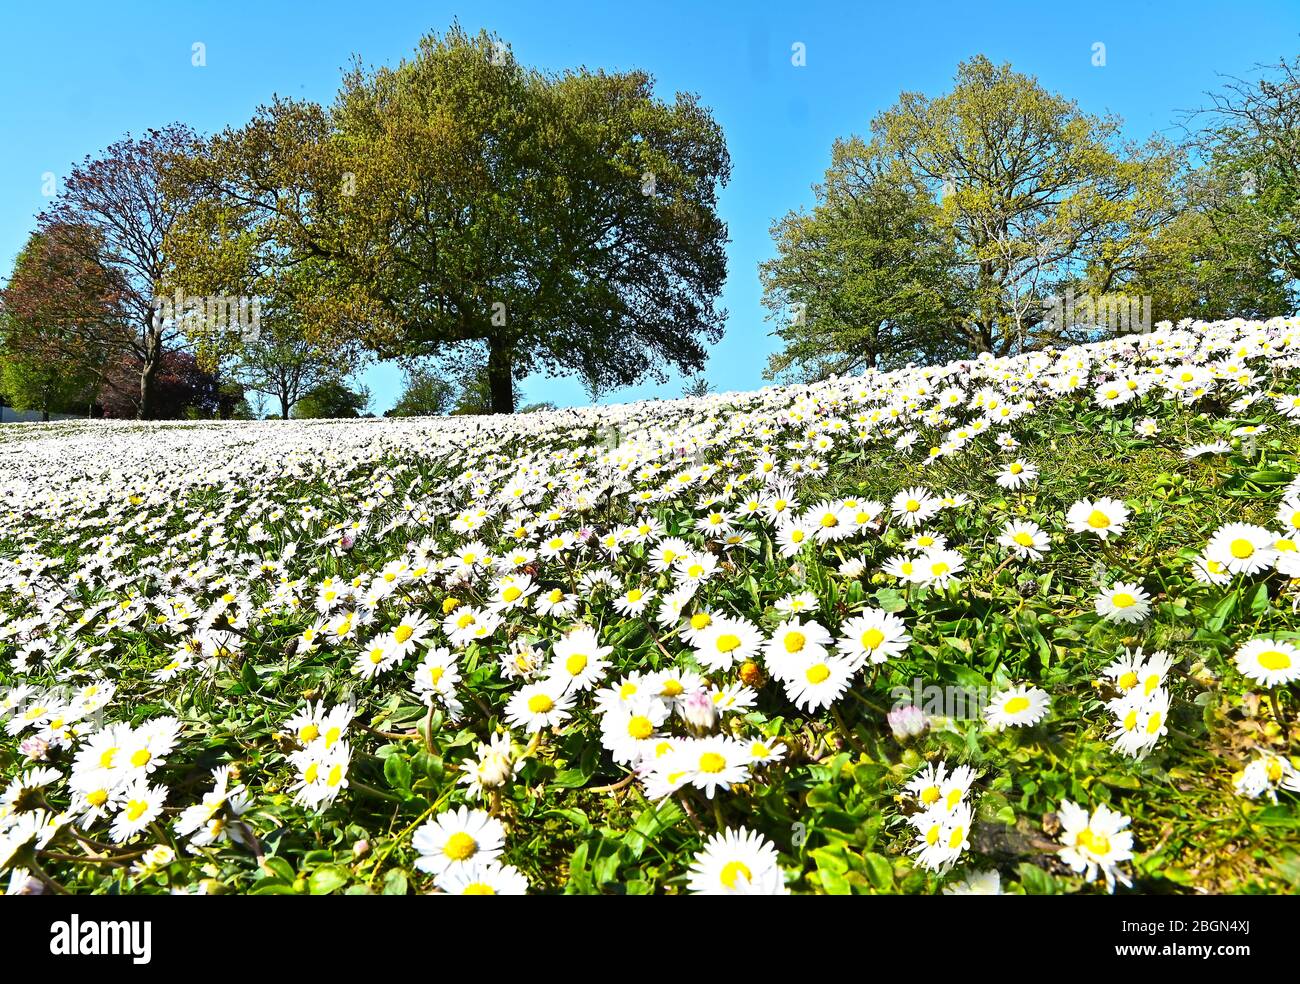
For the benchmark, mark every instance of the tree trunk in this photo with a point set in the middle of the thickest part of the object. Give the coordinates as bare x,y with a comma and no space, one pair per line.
153,355
501,382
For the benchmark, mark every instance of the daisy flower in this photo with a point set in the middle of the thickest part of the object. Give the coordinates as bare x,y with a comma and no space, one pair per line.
793,646
482,878
1123,602
1103,517
579,660
736,862
873,636
1025,539
914,506
1242,548
725,642
1095,843
1017,707
713,763
539,705
1269,662
1017,474
456,840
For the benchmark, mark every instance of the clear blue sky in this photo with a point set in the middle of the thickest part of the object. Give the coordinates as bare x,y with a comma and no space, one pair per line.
77,75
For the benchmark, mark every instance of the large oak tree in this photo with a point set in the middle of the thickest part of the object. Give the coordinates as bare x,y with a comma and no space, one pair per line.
461,205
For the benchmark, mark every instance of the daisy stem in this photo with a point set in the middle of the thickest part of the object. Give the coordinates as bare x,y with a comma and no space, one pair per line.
686,805
372,791
428,730
613,787
35,868
843,729
1277,707
379,861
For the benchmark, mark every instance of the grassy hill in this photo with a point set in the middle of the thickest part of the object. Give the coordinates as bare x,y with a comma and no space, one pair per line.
1025,624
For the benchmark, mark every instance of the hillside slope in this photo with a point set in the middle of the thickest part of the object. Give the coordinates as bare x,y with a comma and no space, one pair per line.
1020,624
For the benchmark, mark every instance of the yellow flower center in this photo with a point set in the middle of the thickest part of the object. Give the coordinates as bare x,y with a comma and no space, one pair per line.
712,762
1274,660
817,673
640,727
727,642
540,703
460,846
733,871
1241,548
1098,520
794,642
1015,705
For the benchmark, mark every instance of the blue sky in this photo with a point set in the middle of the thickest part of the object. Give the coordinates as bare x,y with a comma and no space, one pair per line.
77,75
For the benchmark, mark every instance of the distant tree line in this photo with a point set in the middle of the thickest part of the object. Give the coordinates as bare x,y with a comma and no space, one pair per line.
956,225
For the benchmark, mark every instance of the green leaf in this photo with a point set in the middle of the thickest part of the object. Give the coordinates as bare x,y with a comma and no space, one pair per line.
398,773
327,879
880,872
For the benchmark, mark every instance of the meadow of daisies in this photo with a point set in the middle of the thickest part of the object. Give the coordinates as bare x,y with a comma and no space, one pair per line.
1020,625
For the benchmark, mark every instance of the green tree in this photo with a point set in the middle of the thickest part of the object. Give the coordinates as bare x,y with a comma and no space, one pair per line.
426,393
863,279
333,399
1246,194
1030,196
464,205
61,323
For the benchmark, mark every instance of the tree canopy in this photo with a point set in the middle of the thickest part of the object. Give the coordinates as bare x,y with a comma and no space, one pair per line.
462,205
